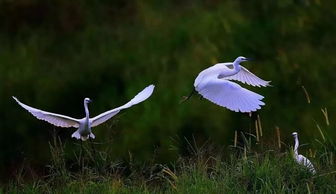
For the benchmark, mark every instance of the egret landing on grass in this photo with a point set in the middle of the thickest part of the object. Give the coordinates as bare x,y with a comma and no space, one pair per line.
299,158
85,124
214,84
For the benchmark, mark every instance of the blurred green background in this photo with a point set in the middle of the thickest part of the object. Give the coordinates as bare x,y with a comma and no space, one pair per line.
54,53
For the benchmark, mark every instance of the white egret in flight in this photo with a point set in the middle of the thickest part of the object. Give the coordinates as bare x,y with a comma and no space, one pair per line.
85,124
214,84
300,159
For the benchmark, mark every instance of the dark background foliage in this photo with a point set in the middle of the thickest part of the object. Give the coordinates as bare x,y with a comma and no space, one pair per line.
55,53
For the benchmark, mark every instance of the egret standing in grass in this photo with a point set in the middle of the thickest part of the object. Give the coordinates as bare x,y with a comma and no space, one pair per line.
300,159
85,124
214,84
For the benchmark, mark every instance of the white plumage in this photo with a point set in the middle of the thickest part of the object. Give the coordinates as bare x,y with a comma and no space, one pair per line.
84,125
214,84
300,159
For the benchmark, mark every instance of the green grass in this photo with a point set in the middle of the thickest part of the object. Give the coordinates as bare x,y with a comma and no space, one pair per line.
247,167
109,51
120,48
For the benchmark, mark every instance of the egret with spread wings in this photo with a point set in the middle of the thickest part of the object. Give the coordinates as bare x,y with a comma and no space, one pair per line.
214,84
85,124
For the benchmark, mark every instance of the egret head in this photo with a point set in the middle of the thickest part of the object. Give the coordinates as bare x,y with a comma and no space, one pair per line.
87,100
295,134
241,59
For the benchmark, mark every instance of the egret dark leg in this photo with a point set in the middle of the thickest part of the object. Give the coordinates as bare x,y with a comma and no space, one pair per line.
185,98
81,158
93,149
81,148
95,159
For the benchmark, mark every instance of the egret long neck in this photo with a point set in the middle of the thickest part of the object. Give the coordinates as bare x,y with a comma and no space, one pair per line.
229,72
236,66
87,115
224,71
296,146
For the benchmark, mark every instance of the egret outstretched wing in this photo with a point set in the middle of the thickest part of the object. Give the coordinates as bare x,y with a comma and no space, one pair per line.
143,95
245,76
55,119
231,95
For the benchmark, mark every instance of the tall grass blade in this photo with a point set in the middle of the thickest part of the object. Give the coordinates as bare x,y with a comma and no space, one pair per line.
278,136
306,94
325,114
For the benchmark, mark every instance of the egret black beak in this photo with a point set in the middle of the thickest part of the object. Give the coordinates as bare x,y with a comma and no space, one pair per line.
249,59
90,101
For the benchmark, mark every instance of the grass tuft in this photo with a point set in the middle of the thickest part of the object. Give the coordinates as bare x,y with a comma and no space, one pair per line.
249,165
